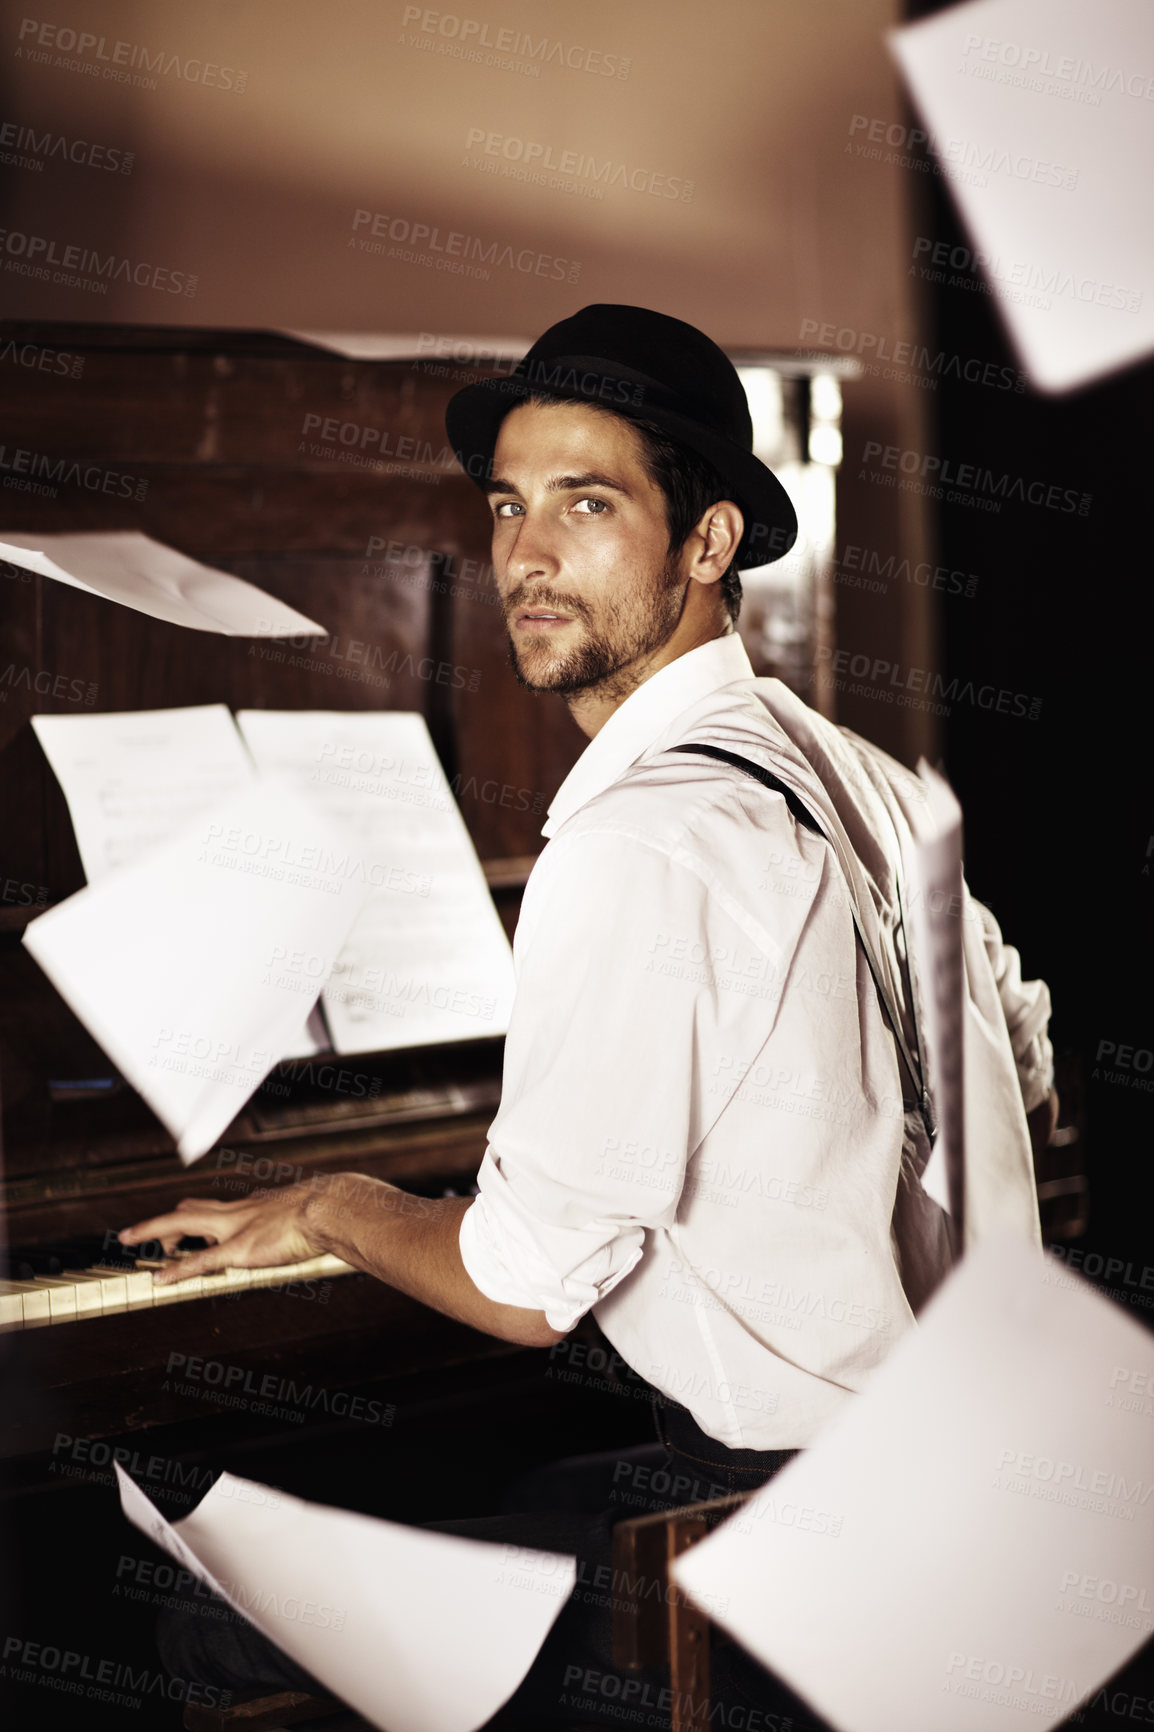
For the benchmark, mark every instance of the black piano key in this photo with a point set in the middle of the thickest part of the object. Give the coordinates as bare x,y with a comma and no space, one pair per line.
84,1251
28,1264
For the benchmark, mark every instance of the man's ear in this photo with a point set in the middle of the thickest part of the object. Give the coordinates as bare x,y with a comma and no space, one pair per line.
714,541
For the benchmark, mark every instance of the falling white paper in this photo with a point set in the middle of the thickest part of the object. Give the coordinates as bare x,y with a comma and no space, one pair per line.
428,959
932,870
133,778
363,1604
972,1538
1041,115
181,965
132,569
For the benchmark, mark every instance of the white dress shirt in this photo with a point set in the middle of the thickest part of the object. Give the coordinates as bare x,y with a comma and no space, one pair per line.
702,1132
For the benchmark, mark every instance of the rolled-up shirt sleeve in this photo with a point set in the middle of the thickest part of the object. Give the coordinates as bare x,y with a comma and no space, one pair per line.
633,980
1026,1004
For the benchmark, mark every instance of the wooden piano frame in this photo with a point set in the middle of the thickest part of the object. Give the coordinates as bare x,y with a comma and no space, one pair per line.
330,484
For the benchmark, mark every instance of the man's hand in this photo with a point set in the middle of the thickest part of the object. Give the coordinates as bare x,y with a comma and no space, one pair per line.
1043,1122
410,1242
256,1232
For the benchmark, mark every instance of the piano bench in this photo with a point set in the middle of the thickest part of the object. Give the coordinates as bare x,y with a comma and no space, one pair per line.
281,1708
656,1629
666,1629
648,1630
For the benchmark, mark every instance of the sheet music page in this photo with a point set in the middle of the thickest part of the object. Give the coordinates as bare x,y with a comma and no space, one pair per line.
969,1545
364,1604
177,964
130,568
134,778
428,959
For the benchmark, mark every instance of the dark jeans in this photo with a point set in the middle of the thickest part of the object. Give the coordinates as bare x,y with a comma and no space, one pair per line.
570,1506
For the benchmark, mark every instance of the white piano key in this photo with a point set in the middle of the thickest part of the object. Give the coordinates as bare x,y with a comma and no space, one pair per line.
11,1306
283,1273
277,1274
113,1288
221,1281
107,1289
328,1264
87,1288
137,1282
61,1297
190,1288
34,1302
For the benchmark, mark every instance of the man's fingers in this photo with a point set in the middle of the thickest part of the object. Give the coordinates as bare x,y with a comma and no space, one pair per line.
194,1221
248,1234
247,1251
218,1205
160,1227
197,1263
199,1217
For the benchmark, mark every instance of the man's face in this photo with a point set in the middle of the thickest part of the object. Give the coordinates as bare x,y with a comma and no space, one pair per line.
580,550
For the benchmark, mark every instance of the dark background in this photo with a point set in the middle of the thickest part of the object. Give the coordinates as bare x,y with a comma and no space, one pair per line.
1059,820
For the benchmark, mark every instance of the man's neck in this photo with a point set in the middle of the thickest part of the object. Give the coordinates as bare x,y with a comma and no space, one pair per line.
592,708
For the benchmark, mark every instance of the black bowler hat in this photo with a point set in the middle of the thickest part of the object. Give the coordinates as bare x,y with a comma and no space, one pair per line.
643,366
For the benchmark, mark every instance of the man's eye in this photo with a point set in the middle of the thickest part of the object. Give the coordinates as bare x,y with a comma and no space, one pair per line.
596,507
506,508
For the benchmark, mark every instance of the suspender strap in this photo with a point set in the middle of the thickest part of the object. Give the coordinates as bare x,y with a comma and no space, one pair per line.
806,818
801,813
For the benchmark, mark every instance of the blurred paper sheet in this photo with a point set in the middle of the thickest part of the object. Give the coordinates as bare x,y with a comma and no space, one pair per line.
364,1605
379,346
936,1559
428,959
132,569
361,345
1042,119
178,964
934,903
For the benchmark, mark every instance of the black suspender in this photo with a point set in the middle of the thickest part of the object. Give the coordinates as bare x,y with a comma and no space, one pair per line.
800,812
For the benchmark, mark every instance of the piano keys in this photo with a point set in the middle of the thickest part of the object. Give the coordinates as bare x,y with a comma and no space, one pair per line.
54,1286
419,1121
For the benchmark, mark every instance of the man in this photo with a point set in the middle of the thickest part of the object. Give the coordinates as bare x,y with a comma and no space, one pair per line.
710,1134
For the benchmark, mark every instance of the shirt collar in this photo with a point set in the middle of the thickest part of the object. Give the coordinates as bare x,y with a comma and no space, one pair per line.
643,717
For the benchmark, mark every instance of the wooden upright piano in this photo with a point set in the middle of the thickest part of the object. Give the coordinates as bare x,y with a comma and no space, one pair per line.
330,484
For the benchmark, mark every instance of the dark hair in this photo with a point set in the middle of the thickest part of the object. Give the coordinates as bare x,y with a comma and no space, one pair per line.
689,483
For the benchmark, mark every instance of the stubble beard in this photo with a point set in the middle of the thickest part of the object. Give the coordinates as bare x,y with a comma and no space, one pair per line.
605,660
